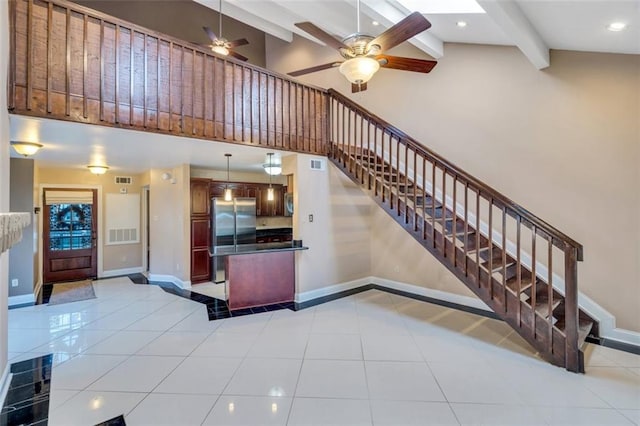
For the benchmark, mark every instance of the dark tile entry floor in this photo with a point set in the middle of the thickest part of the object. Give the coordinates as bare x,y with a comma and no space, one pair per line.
27,401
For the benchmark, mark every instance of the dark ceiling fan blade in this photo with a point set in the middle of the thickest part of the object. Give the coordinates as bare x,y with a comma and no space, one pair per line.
355,88
321,35
402,31
238,56
239,42
210,33
314,69
405,64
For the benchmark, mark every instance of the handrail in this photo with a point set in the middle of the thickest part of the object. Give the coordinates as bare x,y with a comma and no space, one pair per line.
70,62
561,238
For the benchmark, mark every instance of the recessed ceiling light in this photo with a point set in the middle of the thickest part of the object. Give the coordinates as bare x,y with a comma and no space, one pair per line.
375,23
616,26
461,24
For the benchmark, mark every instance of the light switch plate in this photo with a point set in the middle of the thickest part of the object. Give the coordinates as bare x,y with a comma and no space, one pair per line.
310,218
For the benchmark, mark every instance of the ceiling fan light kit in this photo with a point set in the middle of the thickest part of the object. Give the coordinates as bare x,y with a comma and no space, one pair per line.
359,70
363,53
221,45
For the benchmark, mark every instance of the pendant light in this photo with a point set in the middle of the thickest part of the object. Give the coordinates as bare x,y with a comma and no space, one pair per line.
270,195
228,195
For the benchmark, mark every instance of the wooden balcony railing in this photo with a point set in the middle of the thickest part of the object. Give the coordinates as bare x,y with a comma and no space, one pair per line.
72,63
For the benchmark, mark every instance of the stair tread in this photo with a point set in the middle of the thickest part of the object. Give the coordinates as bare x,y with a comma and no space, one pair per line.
584,328
472,244
497,260
525,282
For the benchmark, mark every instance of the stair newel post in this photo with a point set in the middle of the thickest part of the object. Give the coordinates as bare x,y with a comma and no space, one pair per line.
572,351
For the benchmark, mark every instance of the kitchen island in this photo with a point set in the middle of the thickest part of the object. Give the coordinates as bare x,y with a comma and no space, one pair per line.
258,274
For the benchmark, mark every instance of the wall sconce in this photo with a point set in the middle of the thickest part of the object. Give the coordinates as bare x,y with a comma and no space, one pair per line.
26,148
168,176
97,169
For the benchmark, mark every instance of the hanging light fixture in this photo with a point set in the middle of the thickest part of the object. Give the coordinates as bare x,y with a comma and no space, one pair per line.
25,148
270,195
228,195
272,168
97,169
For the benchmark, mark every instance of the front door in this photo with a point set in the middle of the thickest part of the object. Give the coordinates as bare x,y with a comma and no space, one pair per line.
69,234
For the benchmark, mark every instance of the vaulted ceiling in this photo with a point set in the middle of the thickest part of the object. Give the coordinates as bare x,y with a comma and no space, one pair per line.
534,26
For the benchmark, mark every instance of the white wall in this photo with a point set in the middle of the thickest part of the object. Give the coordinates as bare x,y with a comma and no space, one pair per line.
4,175
563,142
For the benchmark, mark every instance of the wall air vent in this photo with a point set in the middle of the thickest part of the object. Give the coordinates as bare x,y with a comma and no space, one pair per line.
124,180
317,164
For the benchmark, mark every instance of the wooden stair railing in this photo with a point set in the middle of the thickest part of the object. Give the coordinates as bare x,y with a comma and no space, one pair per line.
69,62
519,265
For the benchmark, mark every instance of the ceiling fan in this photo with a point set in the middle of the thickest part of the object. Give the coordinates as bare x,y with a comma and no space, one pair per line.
364,54
221,45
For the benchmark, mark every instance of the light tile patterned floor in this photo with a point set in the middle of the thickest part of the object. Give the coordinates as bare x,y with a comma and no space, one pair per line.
371,358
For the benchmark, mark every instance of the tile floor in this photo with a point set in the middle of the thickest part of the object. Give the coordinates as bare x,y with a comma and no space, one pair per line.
369,358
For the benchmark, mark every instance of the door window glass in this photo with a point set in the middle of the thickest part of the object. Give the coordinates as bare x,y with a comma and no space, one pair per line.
70,226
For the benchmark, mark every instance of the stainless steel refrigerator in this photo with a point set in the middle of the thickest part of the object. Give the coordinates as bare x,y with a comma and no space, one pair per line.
233,223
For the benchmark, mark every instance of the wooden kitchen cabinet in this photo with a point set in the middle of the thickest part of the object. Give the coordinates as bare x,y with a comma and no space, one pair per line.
200,199
275,207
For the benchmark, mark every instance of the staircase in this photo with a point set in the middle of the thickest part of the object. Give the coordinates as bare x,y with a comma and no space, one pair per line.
520,266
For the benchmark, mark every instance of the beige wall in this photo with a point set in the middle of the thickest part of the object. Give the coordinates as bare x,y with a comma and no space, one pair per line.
21,266
563,142
170,236
160,15
339,236
4,177
115,257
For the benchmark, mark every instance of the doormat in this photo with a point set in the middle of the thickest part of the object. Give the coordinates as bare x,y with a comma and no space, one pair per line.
72,292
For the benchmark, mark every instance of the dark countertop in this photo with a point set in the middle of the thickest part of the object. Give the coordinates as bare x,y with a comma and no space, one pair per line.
273,232
253,248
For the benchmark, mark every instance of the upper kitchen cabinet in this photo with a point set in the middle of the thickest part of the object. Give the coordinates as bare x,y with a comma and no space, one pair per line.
200,198
274,207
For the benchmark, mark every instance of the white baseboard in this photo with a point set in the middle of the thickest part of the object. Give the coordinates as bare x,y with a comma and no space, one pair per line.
332,289
22,299
170,278
124,271
471,302
5,381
